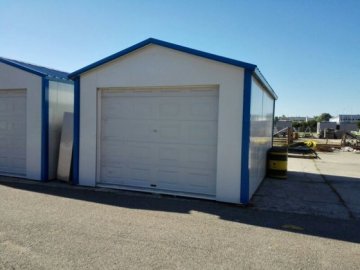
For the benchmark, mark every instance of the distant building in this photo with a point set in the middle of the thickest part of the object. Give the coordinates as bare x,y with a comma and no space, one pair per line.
345,118
281,124
296,118
347,127
321,126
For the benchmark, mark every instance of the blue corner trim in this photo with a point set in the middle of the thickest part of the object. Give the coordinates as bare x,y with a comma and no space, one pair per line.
273,124
44,129
167,45
245,146
75,163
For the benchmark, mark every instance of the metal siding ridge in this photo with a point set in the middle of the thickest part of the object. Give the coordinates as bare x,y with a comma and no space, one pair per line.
76,145
36,69
166,45
53,79
245,144
44,129
16,65
261,79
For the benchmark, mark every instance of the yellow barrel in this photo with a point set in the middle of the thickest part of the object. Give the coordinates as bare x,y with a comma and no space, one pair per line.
277,162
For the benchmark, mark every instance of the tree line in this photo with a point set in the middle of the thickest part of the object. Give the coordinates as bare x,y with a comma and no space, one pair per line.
312,124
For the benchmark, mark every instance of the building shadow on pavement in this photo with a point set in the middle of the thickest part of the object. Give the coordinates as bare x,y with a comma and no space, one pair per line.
333,228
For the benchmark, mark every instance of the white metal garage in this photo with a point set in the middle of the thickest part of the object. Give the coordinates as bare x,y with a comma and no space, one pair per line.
32,101
164,118
163,138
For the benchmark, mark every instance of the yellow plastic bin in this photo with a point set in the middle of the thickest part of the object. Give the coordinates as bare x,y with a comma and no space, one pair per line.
277,162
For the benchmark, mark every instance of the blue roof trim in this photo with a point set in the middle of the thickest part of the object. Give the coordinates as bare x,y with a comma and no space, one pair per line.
167,45
37,70
67,81
260,77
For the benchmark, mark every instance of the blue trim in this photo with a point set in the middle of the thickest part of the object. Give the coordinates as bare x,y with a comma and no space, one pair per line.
261,79
10,63
167,45
273,124
44,129
245,146
37,70
75,162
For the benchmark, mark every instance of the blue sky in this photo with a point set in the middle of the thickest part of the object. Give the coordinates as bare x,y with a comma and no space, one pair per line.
309,51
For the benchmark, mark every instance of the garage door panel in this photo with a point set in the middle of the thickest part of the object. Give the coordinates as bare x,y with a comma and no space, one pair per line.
18,104
168,109
199,181
140,153
170,155
17,163
168,141
142,131
3,126
200,157
121,109
114,128
202,133
18,127
113,174
4,105
168,178
170,133
203,109
116,152
13,132
144,108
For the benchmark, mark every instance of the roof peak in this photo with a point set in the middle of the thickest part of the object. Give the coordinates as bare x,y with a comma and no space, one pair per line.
165,44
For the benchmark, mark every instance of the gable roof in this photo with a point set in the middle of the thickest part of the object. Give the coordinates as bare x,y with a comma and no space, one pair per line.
165,44
37,70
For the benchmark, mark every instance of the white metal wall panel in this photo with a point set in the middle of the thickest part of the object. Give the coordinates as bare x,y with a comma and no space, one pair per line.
159,138
61,100
13,132
261,120
13,78
157,66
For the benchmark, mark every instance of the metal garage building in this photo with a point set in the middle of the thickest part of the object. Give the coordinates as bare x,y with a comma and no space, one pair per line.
32,102
164,118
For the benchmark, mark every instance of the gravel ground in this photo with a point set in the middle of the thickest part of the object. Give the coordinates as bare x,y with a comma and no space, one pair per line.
56,226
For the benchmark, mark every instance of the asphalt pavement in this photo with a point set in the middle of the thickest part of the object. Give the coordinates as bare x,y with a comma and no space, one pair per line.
57,226
329,186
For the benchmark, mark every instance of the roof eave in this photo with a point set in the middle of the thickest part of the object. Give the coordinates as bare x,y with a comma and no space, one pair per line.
258,75
16,65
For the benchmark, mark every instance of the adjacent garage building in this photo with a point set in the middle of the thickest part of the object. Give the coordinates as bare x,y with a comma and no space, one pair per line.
164,118
32,102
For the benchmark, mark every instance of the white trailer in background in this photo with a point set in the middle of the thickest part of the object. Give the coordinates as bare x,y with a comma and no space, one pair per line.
32,102
164,118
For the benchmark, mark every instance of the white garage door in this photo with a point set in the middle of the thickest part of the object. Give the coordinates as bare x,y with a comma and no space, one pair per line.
13,132
164,139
